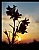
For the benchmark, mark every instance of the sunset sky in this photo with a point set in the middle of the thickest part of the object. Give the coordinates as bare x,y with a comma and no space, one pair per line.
27,9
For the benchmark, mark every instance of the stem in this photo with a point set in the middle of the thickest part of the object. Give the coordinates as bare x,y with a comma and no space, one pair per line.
8,39
13,33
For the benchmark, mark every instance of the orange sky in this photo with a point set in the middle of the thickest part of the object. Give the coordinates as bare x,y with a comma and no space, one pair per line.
29,10
33,30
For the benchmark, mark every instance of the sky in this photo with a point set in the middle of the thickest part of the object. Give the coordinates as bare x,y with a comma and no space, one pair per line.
27,9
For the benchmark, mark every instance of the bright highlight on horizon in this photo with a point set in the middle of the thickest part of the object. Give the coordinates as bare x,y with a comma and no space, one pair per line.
19,39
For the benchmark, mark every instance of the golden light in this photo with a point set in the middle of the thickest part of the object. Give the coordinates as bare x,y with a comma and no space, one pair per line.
19,39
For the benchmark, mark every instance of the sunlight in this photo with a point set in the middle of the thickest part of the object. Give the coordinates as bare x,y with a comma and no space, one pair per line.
19,39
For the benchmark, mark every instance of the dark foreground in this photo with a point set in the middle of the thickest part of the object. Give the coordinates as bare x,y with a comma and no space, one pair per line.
34,45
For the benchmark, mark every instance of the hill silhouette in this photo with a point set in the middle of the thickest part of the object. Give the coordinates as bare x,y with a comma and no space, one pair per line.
32,45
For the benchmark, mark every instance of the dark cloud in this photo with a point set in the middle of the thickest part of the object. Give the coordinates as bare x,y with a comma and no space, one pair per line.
37,21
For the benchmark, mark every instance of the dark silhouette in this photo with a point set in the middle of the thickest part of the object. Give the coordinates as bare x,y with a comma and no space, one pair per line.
33,45
11,26
22,27
12,13
17,29
7,37
25,21
15,15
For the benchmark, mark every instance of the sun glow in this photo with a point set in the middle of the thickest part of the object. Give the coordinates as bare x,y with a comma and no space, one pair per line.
19,39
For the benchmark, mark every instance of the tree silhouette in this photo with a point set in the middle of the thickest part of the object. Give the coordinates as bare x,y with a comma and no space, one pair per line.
15,15
11,12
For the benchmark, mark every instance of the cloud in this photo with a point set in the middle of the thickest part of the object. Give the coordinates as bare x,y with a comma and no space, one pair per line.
5,18
33,28
32,18
37,21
